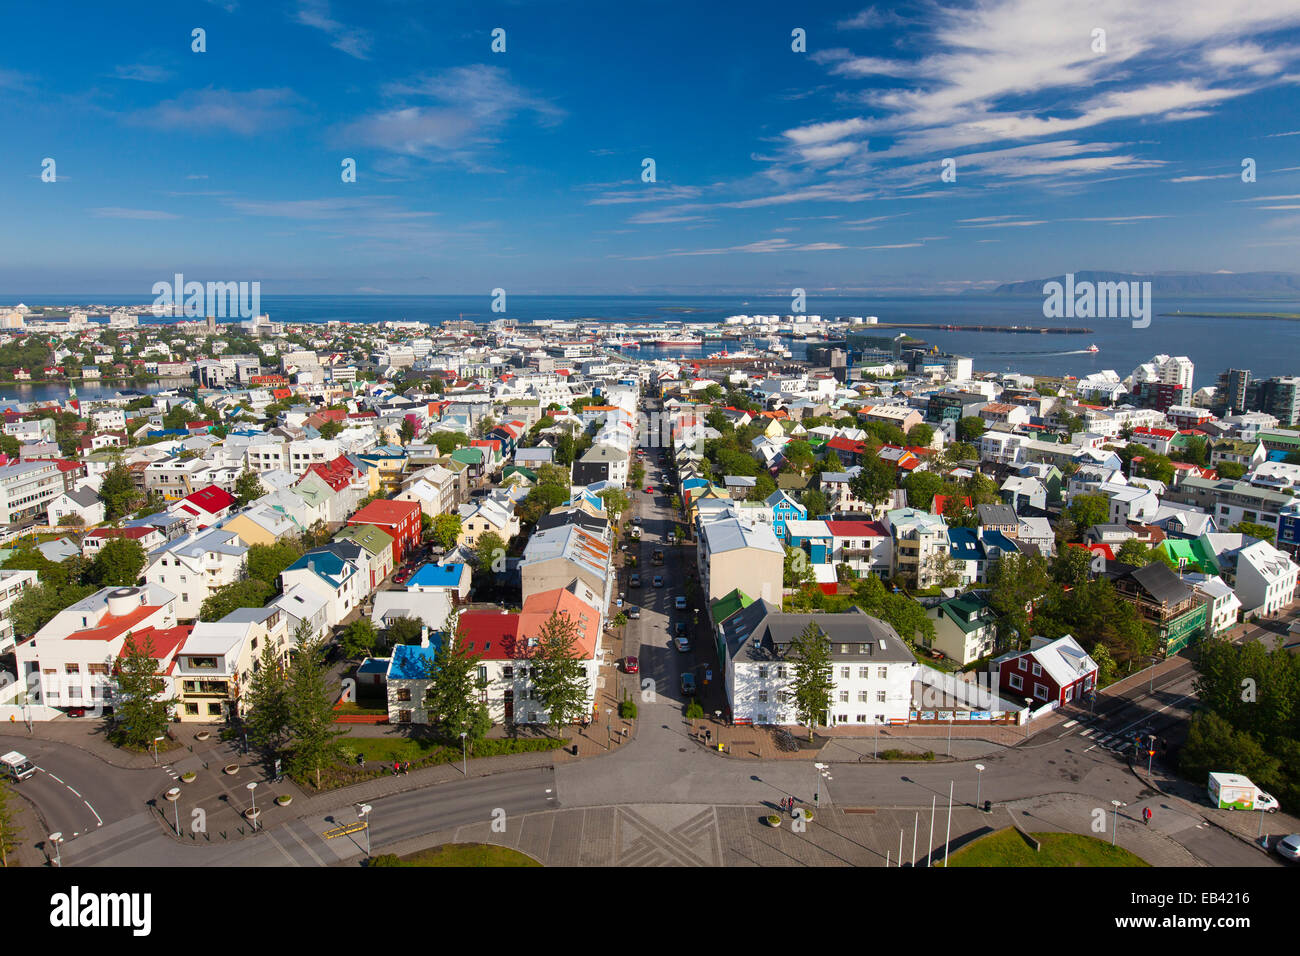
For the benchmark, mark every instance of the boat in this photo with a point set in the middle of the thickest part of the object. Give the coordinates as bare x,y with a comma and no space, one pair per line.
1093,348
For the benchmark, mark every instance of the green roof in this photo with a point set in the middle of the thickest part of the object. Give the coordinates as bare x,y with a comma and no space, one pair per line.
1279,439
1191,552
469,456
520,469
373,539
959,609
729,604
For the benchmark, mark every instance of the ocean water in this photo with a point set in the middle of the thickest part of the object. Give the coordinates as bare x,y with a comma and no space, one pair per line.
1265,346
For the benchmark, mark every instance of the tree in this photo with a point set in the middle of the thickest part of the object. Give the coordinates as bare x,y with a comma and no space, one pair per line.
490,553
38,604
407,430
267,561
1234,470
249,592
1255,530
1133,552
404,630
140,710
454,696
815,501
1156,467
798,571
331,429
446,529
616,502
118,564
311,711
359,638
1016,583
448,442
118,490
1088,510
920,435
561,682
970,428
811,683
921,488
267,700
248,488
875,482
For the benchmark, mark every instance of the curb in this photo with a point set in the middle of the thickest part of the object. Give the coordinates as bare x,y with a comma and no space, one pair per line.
1197,810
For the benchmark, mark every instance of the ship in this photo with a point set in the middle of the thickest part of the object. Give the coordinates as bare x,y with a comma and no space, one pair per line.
670,343
1093,348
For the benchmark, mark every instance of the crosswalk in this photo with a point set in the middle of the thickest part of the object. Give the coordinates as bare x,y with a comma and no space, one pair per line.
1120,744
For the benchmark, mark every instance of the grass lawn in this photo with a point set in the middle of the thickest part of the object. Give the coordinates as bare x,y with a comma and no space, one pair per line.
460,855
1007,848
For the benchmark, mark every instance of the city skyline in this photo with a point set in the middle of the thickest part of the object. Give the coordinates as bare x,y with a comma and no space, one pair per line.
774,168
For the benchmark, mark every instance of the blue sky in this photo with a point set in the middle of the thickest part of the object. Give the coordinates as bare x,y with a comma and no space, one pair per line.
522,170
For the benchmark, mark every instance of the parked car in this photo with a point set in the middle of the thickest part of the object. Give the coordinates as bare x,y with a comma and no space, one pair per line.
681,603
636,519
631,665
401,577
688,684
659,580
633,612
1289,847
679,627
649,490
682,644
76,712
634,580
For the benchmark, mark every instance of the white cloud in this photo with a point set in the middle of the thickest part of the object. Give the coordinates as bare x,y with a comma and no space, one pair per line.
350,40
211,109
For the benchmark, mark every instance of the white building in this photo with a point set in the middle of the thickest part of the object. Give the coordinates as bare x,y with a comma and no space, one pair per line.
194,566
1266,578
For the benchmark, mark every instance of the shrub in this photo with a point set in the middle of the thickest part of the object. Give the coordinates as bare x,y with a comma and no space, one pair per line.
693,710
906,755
627,709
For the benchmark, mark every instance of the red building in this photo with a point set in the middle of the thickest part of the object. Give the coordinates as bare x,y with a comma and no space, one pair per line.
401,519
1051,672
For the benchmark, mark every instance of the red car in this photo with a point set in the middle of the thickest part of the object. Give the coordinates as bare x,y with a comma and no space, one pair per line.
631,665
649,491
401,577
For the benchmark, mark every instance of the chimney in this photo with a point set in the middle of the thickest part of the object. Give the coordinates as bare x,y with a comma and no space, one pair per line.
424,636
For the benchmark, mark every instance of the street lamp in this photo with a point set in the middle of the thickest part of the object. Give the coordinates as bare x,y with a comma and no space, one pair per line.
155,749
363,814
1151,688
948,836
952,717
464,761
252,792
56,838
1151,751
979,780
1115,825
1029,704
822,771
173,796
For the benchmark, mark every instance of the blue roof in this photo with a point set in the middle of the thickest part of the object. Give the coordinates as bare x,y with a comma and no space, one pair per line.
433,575
411,661
964,545
999,540
374,665
324,563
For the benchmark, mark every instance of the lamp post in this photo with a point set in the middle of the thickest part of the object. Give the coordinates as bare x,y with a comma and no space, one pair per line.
929,847
155,749
979,780
363,814
173,796
1029,704
464,760
821,772
1115,824
1151,752
252,793
56,838
952,716
1151,687
948,836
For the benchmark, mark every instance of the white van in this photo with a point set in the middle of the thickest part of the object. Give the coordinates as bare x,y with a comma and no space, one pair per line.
16,766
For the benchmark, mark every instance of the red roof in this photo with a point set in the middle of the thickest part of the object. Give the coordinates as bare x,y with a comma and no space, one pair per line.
1157,432
840,443
111,627
490,634
385,511
211,499
121,532
857,529
281,392
941,502
1097,548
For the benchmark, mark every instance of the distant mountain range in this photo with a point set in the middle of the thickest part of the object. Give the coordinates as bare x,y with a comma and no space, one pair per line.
1177,284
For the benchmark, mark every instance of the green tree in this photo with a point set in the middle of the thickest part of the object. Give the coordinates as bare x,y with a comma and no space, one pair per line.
921,487
561,682
249,592
1016,583
118,490
248,488
311,712
1156,467
970,428
616,502
1088,510
404,630
267,561
490,553
920,435
1234,470
812,682
359,638
448,442
815,501
446,529
267,701
1255,530
118,564
798,570
1133,552
141,710
454,696
407,430
875,482
330,429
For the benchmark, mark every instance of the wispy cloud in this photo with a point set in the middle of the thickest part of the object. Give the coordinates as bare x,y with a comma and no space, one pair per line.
215,110
119,212
142,72
353,41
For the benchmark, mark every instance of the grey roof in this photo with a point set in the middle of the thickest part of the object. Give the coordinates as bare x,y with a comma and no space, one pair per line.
762,632
997,514
1161,583
84,496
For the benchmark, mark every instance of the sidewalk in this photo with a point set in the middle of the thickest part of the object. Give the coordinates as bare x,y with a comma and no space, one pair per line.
1244,825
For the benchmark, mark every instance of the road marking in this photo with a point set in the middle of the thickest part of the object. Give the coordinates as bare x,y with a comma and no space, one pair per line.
1070,723
74,791
92,810
1088,733
56,778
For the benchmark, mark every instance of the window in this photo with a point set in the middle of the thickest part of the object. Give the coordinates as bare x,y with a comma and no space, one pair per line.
844,697
71,668
780,670
864,672
762,697
844,672
863,696
882,672
1040,691
507,673
862,718
403,716
762,673
214,710
880,697
1038,669
1016,682
404,693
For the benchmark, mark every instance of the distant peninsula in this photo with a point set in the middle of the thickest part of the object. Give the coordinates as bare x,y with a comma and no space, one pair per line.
1178,284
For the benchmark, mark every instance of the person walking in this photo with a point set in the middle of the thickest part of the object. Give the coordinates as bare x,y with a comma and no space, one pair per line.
1146,816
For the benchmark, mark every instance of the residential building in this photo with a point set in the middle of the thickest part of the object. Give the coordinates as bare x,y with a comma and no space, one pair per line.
399,519
1051,672
731,554
195,566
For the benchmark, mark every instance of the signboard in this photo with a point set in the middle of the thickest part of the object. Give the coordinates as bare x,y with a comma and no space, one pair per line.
946,715
981,715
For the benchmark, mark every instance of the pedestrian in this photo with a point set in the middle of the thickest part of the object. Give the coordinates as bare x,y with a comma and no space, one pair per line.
1146,816
397,767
